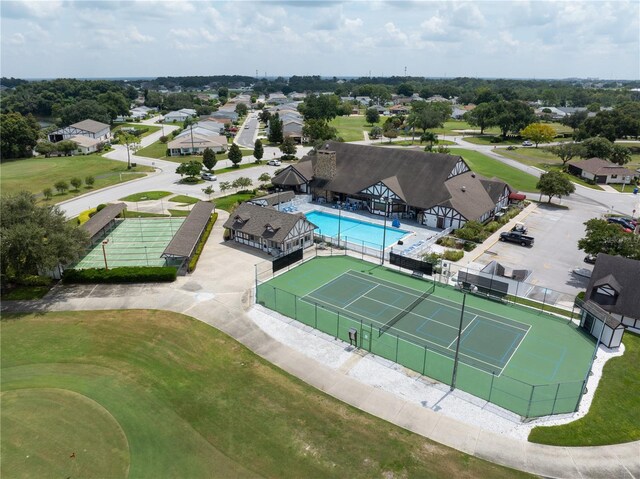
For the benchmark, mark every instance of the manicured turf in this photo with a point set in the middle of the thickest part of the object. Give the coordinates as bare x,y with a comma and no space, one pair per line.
178,213
137,126
146,196
159,150
190,200
489,167
21,293
167,396
154,150
614,416
228,202
36,174
350,128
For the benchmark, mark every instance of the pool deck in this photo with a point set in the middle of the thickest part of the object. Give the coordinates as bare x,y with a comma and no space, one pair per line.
418,233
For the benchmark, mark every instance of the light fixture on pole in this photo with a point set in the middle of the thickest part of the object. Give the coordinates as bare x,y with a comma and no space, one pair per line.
455,359
384,231
339,221
104,253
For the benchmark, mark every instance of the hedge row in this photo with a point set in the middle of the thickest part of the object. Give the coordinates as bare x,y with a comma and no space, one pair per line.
123,274
205,236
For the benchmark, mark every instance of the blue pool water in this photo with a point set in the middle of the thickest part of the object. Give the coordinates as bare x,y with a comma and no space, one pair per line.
354,231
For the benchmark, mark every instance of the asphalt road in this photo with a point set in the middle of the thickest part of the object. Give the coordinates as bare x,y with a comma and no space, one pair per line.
248,131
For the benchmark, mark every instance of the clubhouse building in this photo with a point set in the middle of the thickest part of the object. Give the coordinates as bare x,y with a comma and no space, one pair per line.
434,189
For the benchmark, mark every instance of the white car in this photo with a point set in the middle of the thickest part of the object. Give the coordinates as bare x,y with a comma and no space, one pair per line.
274,162
527,143
209,177
585,272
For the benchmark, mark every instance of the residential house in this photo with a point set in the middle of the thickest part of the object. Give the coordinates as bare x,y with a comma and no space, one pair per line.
437,190
89,128
601,171
272,231
196,141
86,145
180,115
277,98
224,115
399,109
612,299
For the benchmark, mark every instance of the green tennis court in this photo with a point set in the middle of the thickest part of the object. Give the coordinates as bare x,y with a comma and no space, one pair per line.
487,341
528,362
132,242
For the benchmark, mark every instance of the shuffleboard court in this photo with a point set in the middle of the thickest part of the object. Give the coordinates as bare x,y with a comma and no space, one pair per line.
487,341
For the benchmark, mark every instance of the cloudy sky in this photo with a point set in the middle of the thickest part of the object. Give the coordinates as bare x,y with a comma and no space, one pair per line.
511,39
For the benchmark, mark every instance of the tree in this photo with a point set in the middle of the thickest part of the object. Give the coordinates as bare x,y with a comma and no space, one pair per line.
431,138
390,133
316,130
555,183
89,181
567,151
76,183
62,186
288,148
35,239
19,135
258,151
575,120
597,148
209,158
208,191
47,193
319,107
375,132
45,148
609,238
66,147
131,143
225,186
620,155
191,169
235,155
405,89
512,116
264,116
82,110
265,178
223,92
538,133
242,182
275,129
482,116
241,109
372,116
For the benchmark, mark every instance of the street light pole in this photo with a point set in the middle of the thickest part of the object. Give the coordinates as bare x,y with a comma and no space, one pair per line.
384,231
455,360
339,221
104,254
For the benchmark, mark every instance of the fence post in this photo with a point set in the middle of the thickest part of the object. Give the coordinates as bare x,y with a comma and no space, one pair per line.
275,298
397,346
493,376
515,300
316,314
544,299
424,362
338,326
553,408
295,307
533,388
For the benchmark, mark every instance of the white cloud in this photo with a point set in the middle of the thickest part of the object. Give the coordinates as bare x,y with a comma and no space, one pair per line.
135,36
16,39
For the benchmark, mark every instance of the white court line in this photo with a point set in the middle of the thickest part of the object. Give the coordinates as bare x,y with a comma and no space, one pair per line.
462,332
427,318
361,296
514,352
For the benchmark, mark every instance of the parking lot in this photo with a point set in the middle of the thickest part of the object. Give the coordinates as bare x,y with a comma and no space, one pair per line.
555,253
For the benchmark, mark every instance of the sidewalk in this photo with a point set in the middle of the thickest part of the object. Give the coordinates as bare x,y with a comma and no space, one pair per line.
222,300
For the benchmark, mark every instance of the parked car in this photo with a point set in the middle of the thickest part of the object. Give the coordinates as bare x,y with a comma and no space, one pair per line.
622,222
585,272
515,237
274,162
527,143
590,258
209,177
520,228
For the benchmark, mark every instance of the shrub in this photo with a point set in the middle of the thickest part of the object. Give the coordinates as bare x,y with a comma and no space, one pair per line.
492,227
202,242
472,231
469,246
89,181
123,274
100,207
85,215
164,139
495,139
76,183
447,241
452,255
34,280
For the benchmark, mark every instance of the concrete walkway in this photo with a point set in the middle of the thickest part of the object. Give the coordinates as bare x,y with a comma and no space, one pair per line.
220,292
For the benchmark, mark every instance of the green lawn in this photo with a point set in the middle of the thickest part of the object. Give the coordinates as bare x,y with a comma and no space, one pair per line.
614,416
350,128
179,212
154,150
159,150
626,189
22,293
158,394
228,202
141,214
146,195
489,167
137,126
415,143
36,174
189,200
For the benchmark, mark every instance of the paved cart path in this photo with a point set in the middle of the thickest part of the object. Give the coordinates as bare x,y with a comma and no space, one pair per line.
222,299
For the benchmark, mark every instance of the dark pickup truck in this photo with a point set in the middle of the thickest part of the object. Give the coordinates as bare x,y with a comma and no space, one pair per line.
515,237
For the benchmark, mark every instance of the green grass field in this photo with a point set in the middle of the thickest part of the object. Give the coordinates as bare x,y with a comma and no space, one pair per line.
137,126
350,128
157,394
36,174
189,200
146,196
614,416
228,202
489,167
158,150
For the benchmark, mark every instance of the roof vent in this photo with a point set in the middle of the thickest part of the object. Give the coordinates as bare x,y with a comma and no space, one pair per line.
464,188
473,175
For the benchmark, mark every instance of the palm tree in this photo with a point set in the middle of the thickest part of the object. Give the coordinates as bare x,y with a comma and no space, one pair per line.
429,137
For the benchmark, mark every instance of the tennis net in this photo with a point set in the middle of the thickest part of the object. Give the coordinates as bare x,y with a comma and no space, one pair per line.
407,310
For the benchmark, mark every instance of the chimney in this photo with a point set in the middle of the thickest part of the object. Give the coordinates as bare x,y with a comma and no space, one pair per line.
464,188
325,164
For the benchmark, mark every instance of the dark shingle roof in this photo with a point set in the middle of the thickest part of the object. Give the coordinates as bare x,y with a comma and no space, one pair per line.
419,178
273,198
90,125
289,177
598,166
622,273
187,236
263,222
102,218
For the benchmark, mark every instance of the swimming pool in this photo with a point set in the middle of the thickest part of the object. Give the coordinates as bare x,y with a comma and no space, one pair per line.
355,231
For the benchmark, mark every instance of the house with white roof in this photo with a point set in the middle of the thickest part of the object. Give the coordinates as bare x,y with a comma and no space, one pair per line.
88,128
